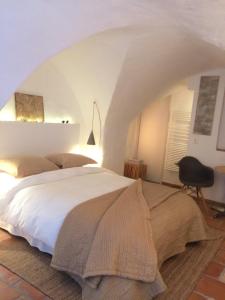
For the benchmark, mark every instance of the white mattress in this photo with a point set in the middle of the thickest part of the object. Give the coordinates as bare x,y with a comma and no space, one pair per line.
36,206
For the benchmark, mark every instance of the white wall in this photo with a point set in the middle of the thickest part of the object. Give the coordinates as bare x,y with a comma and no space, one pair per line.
176,39
92,68
43,28
60,102
153,134
154,129
23,138
168,60
133,136
73,79
204,147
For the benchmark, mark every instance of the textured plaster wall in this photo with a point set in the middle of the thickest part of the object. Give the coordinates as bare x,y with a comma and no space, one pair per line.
60,101
154,130
169,40
73,79
203,146
170,59
91,69
153,135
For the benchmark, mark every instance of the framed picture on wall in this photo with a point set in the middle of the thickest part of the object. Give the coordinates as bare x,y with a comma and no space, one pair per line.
206,105
29,108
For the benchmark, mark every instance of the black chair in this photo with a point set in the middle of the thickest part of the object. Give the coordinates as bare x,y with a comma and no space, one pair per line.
195,176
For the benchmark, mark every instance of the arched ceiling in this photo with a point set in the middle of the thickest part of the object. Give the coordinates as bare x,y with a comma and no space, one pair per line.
165,42
165,61
33,31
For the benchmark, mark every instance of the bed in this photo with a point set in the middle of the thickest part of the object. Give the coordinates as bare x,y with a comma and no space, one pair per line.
43,208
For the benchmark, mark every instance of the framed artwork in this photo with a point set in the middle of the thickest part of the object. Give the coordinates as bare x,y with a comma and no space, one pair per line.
206,105
29,108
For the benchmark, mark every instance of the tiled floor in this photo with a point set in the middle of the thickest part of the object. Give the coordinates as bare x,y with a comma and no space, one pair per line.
12,287
211,284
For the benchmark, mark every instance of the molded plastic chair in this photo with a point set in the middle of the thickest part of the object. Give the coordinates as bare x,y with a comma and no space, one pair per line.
193,174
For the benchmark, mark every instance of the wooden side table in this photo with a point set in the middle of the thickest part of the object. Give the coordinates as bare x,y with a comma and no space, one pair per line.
135,170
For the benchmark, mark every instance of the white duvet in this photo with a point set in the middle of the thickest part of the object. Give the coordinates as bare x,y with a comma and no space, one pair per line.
36,206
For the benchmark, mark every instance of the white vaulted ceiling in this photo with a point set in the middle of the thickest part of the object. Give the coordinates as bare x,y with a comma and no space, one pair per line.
154,44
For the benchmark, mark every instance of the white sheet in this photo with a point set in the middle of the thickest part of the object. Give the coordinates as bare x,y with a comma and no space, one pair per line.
35,207
7,182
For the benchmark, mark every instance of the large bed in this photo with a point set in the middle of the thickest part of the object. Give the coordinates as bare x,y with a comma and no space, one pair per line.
53,209
36,206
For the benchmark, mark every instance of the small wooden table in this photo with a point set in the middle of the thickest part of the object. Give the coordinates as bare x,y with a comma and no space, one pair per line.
135,170
220,169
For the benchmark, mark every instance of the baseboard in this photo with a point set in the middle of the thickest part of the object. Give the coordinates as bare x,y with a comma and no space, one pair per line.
212,203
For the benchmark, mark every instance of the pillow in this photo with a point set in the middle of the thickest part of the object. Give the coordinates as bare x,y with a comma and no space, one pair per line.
7,182
26,165
70,160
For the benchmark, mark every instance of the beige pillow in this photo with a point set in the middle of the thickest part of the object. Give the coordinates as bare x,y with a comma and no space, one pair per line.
70,160
26,165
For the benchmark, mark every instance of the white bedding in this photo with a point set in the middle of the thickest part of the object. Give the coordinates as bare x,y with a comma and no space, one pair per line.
35,207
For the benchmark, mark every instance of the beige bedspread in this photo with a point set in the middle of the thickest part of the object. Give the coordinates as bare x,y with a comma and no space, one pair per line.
113,245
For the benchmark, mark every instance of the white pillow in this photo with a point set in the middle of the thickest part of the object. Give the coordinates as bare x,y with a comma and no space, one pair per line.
7,182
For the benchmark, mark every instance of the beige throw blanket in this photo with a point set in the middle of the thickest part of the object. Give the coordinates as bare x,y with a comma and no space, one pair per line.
106,243
112,236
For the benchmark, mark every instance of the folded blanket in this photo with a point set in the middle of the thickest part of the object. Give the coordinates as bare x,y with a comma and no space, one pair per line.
113,237
155,194
106,243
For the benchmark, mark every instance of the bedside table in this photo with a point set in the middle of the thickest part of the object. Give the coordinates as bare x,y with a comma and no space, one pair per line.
135,170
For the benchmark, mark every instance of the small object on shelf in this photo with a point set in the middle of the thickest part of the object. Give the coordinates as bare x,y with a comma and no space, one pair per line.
135,169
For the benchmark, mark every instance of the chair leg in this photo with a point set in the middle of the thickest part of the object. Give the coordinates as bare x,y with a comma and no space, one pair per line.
198,193
184,188
204,203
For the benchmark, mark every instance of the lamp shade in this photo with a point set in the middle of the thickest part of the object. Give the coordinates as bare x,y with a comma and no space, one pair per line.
91,139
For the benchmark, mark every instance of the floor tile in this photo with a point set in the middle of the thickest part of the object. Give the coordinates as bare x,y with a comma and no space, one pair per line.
7,293
220,257
223,246
222,276
222,227
29,290
214,269
4,235
215,223
195,296
7,276
211,288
